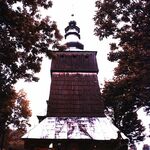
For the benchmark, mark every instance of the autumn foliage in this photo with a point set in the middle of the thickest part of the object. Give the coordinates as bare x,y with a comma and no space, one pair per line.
15,113
128,22
25,37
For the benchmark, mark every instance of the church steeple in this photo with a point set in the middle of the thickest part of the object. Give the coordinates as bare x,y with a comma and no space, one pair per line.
72,36
75,116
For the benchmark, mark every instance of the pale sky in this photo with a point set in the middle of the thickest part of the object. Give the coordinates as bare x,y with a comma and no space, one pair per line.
61,12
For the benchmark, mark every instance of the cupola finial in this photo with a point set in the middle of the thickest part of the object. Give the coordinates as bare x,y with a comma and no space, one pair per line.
72,35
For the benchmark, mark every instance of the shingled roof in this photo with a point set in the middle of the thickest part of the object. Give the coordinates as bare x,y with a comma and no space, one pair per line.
99,128
75,95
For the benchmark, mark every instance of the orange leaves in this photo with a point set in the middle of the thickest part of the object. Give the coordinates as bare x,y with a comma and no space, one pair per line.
15,110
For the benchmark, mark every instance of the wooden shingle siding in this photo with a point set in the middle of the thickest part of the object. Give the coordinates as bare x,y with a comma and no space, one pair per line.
76,94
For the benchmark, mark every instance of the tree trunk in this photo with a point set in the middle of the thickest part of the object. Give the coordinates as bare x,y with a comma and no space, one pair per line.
2,137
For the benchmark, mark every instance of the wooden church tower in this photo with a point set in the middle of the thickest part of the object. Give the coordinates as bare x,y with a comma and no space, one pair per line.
75,117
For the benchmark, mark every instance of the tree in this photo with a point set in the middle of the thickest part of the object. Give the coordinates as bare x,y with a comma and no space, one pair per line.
13,139
14,116
127,21
25,36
